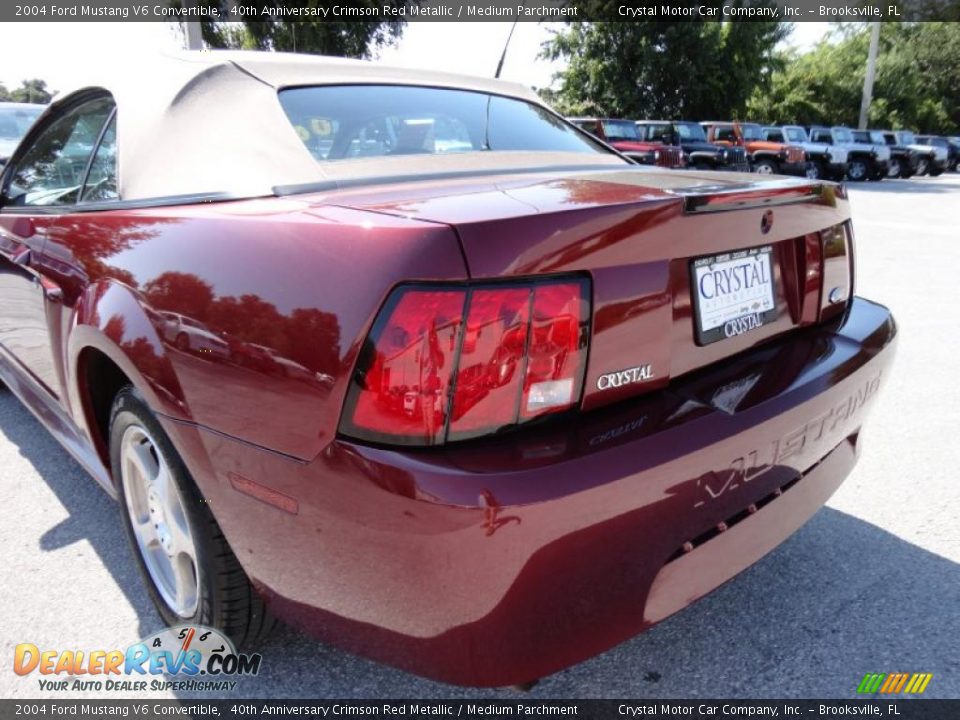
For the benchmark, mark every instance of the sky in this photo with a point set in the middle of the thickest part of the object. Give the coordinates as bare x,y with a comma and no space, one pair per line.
468,48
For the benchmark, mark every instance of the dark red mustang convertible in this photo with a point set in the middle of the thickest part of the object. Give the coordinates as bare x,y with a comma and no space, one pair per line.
412,363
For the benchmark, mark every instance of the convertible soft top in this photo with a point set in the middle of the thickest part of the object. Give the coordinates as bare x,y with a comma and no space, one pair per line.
210,123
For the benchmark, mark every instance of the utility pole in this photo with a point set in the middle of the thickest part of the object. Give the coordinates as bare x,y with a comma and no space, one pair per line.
194,36
868,79
192,30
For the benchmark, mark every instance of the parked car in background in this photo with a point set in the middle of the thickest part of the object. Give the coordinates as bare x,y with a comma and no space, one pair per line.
625,137
903,160
190,335
824,161
942,142
878,142
931,159
691,138
864,161
534,399
766,157
15,120
955,144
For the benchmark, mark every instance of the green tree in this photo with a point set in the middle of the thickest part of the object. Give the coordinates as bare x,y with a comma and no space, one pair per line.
4,93
31,91
684,69
917,83
356,39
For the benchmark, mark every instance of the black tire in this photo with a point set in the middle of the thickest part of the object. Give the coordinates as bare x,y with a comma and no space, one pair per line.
935,171
182,342
923,166
895,168
766,166
225,598
815,171
858,169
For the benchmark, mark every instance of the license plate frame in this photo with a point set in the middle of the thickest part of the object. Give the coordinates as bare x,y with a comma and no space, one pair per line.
751,306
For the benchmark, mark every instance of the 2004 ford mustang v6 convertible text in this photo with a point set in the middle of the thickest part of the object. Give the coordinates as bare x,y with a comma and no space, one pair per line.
410,362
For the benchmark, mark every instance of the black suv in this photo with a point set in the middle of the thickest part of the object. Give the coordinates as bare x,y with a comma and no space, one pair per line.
953,150
903,161
701,155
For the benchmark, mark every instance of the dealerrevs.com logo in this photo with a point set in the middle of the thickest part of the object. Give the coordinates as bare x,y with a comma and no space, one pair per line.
192,657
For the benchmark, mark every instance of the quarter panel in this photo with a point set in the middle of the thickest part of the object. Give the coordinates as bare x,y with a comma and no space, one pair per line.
246,317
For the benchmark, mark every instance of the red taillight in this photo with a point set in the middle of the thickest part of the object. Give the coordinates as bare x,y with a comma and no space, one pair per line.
556,357
455,363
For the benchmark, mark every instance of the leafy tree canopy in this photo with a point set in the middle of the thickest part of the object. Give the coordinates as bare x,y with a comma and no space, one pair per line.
30,91
685,69
917,82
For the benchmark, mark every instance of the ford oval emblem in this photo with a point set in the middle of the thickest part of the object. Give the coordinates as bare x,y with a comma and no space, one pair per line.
766,222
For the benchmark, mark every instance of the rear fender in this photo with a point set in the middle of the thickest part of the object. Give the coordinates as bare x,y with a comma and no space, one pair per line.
111,319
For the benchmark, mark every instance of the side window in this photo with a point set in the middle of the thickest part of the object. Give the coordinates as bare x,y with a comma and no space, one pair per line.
101,182
660,133
52,169
775,136
726,134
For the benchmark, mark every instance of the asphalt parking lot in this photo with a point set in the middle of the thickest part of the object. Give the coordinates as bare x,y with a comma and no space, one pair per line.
871,584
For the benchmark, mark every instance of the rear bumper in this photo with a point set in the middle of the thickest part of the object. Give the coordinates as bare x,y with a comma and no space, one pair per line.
497,563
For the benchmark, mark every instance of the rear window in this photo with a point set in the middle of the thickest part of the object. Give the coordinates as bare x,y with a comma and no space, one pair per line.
620,130
843,135
356,121
796,135
659,133
691,131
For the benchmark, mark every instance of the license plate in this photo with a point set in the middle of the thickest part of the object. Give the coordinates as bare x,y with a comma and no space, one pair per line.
732,293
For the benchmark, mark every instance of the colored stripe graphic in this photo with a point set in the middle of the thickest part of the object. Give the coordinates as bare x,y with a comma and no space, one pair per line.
890,682
894,683
871,683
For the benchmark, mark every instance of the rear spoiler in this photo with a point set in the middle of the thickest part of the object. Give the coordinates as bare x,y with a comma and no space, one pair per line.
722,198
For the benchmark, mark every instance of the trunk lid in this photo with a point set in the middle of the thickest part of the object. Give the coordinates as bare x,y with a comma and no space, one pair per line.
635,233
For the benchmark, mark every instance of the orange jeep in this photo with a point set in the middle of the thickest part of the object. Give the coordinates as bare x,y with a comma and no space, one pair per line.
766,158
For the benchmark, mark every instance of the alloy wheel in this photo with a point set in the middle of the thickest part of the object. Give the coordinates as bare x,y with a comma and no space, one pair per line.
894,169
159,521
